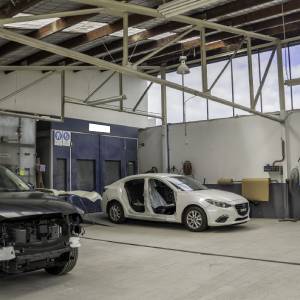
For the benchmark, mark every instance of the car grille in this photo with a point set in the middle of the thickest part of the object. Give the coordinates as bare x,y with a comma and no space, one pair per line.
242,209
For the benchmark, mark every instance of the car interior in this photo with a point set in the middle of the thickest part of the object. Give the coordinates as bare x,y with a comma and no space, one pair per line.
162,198
135,194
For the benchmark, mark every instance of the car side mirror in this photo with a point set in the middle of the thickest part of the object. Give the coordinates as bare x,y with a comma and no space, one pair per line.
31,186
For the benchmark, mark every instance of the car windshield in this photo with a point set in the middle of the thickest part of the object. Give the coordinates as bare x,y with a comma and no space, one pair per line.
9,182
186,184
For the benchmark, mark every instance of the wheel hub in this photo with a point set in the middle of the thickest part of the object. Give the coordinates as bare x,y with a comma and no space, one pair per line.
194,219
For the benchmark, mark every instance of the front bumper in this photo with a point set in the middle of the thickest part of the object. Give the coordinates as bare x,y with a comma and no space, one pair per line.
13,261
217,216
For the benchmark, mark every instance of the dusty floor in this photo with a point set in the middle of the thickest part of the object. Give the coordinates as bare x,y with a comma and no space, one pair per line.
139,260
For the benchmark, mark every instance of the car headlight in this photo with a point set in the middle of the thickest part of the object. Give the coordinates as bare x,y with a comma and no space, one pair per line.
218,203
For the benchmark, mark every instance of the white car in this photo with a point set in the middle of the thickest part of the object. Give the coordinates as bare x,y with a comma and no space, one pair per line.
173,198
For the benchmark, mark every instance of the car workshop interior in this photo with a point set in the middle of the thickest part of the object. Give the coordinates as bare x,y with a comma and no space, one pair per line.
150,149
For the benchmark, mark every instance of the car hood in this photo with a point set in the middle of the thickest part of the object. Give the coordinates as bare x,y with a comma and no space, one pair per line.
219,195
24,204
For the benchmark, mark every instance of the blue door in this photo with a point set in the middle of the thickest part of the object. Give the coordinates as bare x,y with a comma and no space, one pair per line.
85,173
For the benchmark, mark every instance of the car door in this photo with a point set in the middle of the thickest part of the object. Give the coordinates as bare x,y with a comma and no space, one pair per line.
161,206
134,194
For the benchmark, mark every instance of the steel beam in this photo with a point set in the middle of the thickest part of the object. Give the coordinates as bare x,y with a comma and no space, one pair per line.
292,82
264,78
138,9
6,34
125,39
250,72
229,62
127,111
164,127
142,97
48,74
99,87
172,41
72,13
281,81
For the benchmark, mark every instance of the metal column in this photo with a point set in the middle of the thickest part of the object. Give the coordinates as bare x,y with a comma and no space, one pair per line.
164,129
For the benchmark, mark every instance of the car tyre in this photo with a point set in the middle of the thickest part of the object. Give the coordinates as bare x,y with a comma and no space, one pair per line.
65,263
115,212
195,219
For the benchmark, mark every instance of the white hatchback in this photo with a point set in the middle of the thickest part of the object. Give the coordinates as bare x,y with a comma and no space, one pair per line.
173,198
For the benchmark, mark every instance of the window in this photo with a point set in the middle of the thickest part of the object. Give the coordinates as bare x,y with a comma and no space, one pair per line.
112,171
61,174
184,183
135,194
86,175
131,168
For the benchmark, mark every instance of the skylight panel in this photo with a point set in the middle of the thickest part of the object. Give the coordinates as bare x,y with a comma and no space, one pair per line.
84,27
190,39
162,35
131,31
36,24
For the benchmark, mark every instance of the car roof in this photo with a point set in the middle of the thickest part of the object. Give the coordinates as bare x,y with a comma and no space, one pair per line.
150,175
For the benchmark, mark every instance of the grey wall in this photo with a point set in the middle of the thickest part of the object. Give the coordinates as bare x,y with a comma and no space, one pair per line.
236,148
17,146
45,97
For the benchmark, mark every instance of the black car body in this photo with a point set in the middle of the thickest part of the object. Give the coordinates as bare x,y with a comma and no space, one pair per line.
37,231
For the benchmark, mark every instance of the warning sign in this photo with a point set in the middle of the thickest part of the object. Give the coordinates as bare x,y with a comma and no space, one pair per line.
62,138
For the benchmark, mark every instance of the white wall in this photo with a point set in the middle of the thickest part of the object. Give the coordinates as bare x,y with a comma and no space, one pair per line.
45,97
234,148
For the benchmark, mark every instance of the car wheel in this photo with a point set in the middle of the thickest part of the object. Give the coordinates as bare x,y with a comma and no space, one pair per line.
195,219
65,263
116,212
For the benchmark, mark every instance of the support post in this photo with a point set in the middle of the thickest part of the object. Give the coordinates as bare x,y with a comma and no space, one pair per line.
63,93
204,67
250,72
121,91
125,39
164,129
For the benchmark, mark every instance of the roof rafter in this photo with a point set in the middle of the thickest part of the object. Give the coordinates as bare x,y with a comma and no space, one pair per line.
46,31
212,36
97,34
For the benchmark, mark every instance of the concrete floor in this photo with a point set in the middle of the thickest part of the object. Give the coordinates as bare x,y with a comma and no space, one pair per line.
109,270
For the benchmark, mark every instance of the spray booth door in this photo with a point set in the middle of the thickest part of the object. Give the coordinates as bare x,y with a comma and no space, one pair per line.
85,162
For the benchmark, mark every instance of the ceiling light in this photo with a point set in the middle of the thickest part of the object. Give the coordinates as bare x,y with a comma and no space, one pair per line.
183,68
84,27
178,7
37,24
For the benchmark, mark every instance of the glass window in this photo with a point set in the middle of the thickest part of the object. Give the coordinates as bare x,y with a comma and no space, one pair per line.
10,182
131,168
112,171
86,175
61,174
187,184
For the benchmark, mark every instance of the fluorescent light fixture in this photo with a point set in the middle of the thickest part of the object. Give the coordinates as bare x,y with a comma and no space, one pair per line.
178,7
99,128
162,36
37,24
131,31
84,27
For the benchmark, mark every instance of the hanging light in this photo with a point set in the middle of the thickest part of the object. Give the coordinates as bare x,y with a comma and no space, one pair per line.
183,68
